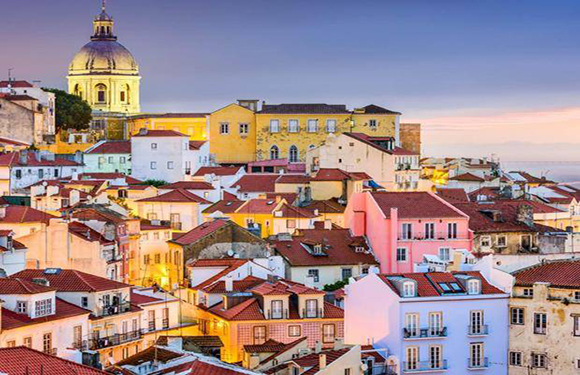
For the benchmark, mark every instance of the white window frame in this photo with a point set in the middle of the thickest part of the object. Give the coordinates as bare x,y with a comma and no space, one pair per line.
515,358
293,125
312,126
331,125
274,126
473,286
224,128
442,251
402,251
153,165
244,128
409,289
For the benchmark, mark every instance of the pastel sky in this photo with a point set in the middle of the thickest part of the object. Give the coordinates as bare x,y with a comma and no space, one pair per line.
483,77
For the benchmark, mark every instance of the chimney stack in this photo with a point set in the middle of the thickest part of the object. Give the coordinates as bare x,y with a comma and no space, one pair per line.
321,361
229,283
328,224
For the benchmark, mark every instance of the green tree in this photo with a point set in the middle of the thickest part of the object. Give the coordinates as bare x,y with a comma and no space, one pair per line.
72,112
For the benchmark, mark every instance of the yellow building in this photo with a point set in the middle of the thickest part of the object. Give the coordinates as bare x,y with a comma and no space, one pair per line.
232,131
240,133
105,73
192,124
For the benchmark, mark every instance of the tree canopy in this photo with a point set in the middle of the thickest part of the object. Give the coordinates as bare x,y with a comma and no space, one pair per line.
72,112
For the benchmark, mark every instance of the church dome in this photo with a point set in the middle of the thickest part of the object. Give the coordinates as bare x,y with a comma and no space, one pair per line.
104,56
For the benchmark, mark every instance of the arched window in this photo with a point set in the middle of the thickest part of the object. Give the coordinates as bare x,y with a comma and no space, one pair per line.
78,91
101,93
293,154
274,152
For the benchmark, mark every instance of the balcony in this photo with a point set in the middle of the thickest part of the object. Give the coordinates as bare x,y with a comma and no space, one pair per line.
479,330
277,314
51,351
96,343
424,366
312,313
175,225
424,333
113,309
165,323
477,363
421,236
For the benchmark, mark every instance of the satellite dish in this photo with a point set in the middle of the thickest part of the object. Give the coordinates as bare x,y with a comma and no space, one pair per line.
230,253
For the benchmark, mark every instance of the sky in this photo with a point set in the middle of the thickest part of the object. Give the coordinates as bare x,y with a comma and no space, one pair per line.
482,77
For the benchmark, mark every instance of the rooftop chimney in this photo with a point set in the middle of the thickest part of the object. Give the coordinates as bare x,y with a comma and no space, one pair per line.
229,281
328,224
321,361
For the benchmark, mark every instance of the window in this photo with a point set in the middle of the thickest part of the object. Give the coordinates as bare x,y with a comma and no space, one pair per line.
576,296
401,254
274,126
526,241
165,317
41,173
539,360
314,274
407,231
151,320
346,274
290,223
435,356
476,326
412,357
22,307
373,124
294,331
473,286
312,126
411,325
330,126
501,241
485,241
259,335
347,371
515,358
276,309
43,307
429,231
311,308
528,292
451,230
293,154
154,146
153,165
10,344
169,165
408,289
122,160
328,333
84,301
540,323
101,93
445,254
77,334
18,174
244,129
274,152
576,331
476,354
224,128
27,342
517,315
47,343
293,126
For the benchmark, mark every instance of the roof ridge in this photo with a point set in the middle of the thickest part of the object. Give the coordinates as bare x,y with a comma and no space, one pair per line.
78,274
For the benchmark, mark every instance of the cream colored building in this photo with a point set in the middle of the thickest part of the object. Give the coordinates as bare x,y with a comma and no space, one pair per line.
544,318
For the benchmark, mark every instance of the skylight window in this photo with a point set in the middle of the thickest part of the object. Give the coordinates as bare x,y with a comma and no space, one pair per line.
455,287
445,287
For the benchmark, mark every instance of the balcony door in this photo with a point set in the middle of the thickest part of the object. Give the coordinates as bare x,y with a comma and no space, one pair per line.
435,357
412,324
435,323
476,321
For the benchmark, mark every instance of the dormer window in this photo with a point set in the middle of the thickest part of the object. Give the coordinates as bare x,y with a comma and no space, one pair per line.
318,249
43,307
473,286
409,289
22,307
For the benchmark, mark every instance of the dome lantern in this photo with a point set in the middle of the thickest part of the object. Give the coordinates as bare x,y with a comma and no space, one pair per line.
103,26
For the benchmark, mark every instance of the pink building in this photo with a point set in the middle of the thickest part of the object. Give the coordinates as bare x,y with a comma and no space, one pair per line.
403,227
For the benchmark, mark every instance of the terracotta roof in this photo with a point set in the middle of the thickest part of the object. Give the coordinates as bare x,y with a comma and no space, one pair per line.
150,354
112,147
196,145
219,286
189,185
339,248
159,133
12,159
314,108
559,273
25,214
72,280
201,231
311,362
99,213
258,206
87,233
379,143
9,159
293,179
284,349
108,176
203,367
453,195
330,206
335,174
270,346
169,115
20,286
195,341
532,179
218,171
148,225
228,266
467,177
7,141
227,205
64,310
428,282
291,212
375,109
489,191
256,183
177,195
16,84
414,205
290,198
23,360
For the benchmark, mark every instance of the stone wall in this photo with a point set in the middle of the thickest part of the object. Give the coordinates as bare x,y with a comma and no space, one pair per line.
411,137
16,122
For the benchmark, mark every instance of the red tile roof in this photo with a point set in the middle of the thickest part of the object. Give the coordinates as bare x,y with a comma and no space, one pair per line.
142,299
87,233
7,141
219,287
490,192
64,310
289,197
218,171
15,84
559,273
177,195
311,362
258,206
335,174
293,179
284,349
200,232
112,147
108,176
338,246
24,214
414,205
12,159
159,133
330,206
72,280
257,183
20,286
148,225
467,177
9,159
228,265
196,145
189,185
22,360
270,346
453,195
427,282
150,354
292,212
227,205
201,367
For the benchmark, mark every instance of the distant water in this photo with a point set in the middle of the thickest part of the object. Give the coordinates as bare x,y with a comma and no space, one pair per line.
561,171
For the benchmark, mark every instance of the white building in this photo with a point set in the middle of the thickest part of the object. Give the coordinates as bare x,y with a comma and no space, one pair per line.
166,155
108,157
431,322
12,254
